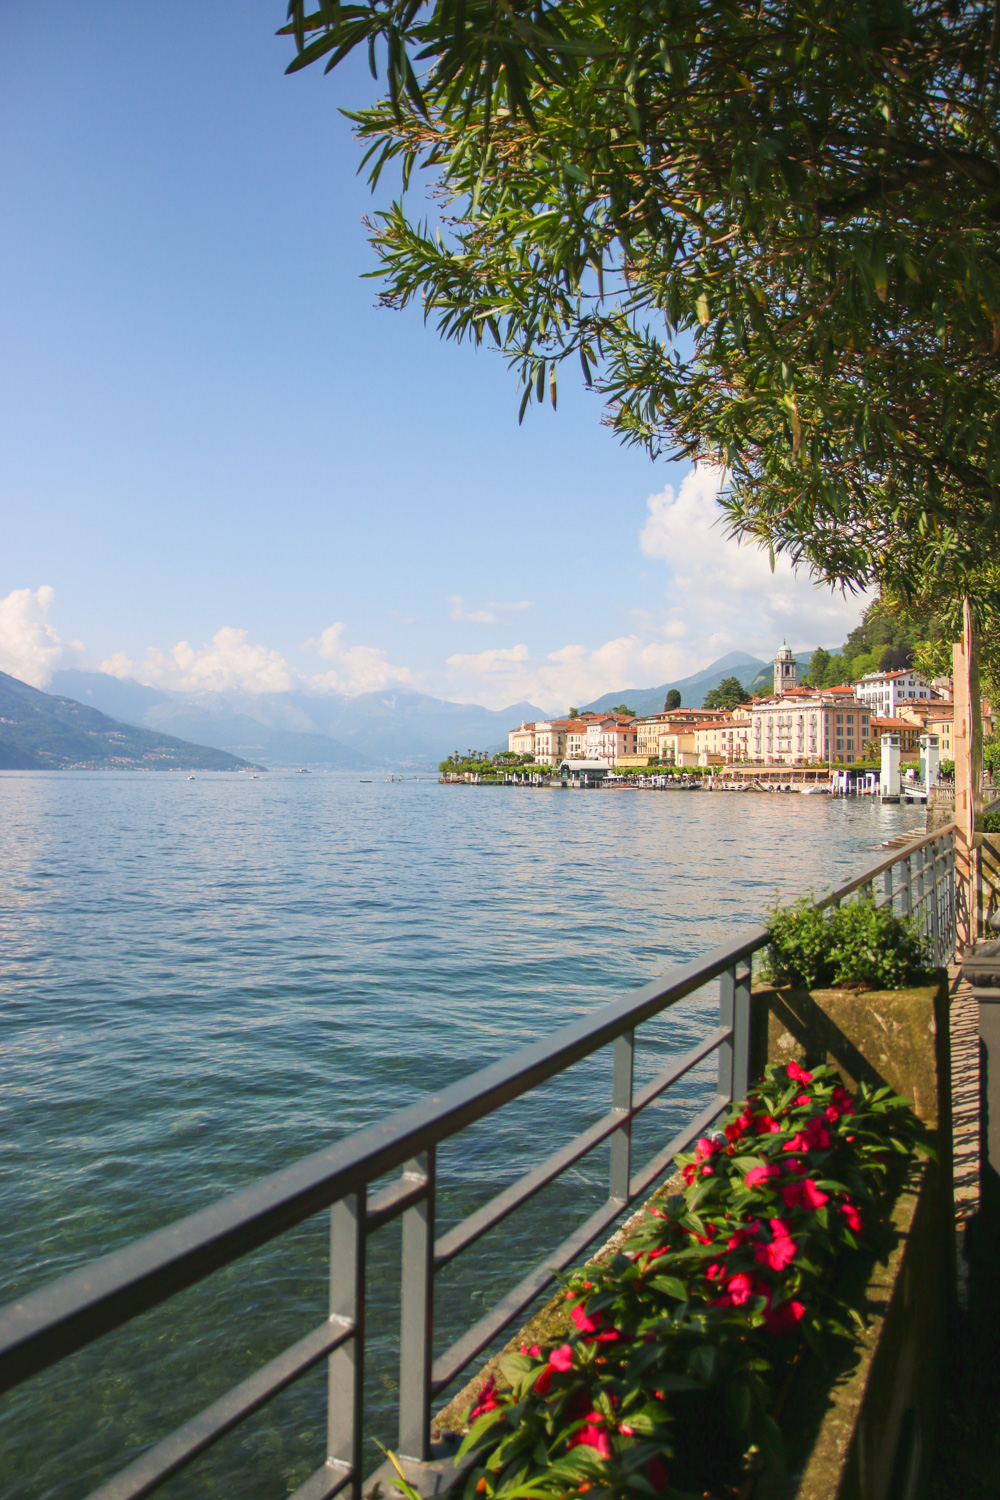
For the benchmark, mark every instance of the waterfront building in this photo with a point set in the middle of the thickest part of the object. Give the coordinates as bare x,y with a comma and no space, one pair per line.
908,731
611,738
677,748
521,741
551,737
576,735
885,691
805,727
784,670
723,740
651,728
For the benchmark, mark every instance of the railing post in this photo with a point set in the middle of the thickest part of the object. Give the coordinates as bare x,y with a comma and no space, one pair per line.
917,892
935,898
346,1366
417,1315
741,1033
887,887
727,1013
621,1103
905,895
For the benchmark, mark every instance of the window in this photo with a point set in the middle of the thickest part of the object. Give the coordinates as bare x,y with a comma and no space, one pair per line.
840,718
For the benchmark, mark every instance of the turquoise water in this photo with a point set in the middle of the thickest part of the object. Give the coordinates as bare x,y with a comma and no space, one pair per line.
201,981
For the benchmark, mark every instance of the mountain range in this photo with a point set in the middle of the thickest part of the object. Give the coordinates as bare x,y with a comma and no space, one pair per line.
45,732
401,730
751,671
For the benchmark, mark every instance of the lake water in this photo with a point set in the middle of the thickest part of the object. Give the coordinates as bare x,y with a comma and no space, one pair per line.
203,980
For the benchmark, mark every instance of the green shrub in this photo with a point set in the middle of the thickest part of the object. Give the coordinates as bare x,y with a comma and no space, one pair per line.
854,944
991,822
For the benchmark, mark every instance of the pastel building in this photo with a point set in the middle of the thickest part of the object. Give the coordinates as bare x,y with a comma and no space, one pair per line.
808,728
885,691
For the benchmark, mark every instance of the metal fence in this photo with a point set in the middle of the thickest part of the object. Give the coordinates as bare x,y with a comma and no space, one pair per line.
55,1321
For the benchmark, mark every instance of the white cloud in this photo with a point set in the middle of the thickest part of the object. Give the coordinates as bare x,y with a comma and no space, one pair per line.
573,674
725,595
30,648
492,613
357,669
229,663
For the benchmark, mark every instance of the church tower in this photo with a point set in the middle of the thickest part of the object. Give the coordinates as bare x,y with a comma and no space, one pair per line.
784,670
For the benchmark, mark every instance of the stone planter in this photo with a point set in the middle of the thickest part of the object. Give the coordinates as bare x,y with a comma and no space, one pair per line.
862,1427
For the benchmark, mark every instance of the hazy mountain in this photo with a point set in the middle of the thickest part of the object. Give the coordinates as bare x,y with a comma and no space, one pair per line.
391,729
43,731
692,689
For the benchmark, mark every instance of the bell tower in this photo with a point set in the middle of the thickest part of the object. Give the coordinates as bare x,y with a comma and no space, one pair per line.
784,670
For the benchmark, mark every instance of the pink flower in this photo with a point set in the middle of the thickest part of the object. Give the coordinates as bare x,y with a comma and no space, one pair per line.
562,1358
534,1351
741,1236
803,1195
784,1319
585,1324
704,1239
851,1215
798,1074
704,1148
714,1270
757,1176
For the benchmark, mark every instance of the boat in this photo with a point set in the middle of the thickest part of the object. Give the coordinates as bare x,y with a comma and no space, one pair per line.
190,778
302,771
366,781
814,789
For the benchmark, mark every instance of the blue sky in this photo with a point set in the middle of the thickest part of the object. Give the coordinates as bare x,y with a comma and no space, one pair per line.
221,465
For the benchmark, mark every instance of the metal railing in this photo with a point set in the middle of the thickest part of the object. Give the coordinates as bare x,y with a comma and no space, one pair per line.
55,1321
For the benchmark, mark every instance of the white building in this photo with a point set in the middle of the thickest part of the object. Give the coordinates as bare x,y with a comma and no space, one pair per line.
885,691
611,738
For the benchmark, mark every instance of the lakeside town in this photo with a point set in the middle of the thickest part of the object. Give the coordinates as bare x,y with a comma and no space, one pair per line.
814,732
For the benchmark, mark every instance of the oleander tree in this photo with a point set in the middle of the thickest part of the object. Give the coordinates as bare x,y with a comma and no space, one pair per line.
767,233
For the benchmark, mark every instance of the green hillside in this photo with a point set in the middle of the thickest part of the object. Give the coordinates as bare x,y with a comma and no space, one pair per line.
40,732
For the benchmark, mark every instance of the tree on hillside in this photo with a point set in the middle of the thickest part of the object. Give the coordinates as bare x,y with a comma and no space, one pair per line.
818,663
673,700
572,713
776,249
727,695
622,708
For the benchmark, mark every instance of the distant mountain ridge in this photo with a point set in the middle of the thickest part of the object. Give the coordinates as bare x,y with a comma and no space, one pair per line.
752,672
45,731
390,729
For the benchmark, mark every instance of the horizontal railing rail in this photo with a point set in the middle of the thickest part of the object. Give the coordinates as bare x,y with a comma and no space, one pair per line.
51,1323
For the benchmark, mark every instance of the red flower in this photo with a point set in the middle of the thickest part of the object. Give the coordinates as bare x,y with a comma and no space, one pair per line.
534,1351
486,1400
704,1148
740,1288
778,1254
803,1195
784,1319
798,1074
757,1176
656,1474
704,1239
562,1358
592,1436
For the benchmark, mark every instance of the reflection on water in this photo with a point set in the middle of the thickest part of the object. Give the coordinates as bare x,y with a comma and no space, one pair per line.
202,981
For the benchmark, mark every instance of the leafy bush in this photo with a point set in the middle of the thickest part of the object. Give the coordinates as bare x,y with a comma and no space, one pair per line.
679,1346
854,944
991,822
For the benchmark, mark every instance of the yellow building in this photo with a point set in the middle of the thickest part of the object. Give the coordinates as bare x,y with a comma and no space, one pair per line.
723,740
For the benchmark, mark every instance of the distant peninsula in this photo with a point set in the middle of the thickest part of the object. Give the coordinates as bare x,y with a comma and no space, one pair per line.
42,732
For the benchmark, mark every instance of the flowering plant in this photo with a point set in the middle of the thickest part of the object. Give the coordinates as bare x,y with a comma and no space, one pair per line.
668,1381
